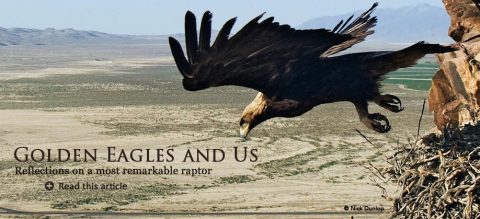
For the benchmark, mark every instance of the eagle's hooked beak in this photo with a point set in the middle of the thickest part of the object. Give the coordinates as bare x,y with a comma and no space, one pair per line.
244,130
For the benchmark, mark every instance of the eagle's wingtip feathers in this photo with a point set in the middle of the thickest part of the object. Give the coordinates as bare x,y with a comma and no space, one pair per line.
259,16
189,15
171,40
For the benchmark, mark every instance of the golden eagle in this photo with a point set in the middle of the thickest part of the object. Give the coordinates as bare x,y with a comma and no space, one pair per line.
294,70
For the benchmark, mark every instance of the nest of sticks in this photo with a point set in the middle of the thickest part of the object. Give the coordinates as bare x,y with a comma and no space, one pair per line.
437,176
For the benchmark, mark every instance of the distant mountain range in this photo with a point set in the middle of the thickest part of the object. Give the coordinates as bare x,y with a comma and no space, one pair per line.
51,36
406,24
401,25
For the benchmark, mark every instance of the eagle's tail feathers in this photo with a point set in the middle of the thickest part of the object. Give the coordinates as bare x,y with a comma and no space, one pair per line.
428,48
385,62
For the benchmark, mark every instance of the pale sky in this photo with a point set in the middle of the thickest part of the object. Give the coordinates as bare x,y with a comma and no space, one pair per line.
152,17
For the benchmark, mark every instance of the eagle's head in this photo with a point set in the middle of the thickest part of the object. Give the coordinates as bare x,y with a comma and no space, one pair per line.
255,113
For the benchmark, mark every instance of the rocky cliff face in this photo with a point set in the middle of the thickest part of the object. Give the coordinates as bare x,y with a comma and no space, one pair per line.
455,94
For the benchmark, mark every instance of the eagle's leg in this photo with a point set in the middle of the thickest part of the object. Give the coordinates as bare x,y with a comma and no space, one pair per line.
375,121
389,102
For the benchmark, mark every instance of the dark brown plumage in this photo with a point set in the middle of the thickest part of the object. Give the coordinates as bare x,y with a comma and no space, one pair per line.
293,69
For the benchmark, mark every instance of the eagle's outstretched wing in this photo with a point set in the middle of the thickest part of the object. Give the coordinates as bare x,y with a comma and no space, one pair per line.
260,53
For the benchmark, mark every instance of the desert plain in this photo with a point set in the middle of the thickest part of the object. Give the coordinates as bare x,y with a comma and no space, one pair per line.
130,96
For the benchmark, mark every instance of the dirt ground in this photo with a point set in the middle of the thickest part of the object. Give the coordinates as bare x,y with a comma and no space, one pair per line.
312,163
